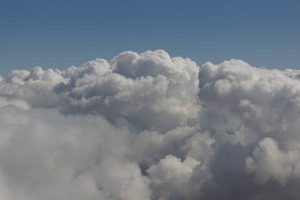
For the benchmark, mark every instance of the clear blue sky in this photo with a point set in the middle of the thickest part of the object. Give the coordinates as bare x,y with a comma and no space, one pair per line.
60,33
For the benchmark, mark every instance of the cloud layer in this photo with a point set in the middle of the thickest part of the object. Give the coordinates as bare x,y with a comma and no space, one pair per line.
148,126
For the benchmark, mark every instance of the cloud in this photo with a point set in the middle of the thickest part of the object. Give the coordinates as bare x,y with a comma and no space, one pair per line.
128,87
270,162
45,154
171,177
150,126
252,114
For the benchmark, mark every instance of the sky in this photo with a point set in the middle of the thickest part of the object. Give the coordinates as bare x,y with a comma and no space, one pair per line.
58,34
136,99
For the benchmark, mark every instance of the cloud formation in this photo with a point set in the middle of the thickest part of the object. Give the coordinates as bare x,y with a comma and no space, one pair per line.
149,126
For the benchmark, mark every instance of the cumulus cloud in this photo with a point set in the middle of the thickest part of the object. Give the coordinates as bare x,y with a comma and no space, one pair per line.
150,126
171,177
253,115
126,88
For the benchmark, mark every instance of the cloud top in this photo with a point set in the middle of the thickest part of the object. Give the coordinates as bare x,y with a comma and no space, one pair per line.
150,126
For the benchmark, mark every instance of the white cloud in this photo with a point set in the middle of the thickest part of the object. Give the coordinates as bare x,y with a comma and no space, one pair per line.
149,126
171,177
130,86
45,154
269,161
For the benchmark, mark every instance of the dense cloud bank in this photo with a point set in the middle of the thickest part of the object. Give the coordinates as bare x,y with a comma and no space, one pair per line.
148,126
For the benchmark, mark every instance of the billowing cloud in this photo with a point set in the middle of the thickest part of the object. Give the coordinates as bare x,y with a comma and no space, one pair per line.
150,90
253,116
149,126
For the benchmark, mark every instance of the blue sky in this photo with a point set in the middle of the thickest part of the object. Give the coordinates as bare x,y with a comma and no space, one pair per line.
61,33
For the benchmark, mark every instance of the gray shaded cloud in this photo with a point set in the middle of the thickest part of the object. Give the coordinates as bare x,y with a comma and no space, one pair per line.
128,87
46,155
252,114
149,126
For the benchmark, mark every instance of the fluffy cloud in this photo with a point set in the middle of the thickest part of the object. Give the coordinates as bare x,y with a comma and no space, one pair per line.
171,177
253,115
46,155
270,162
150,90
149,126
